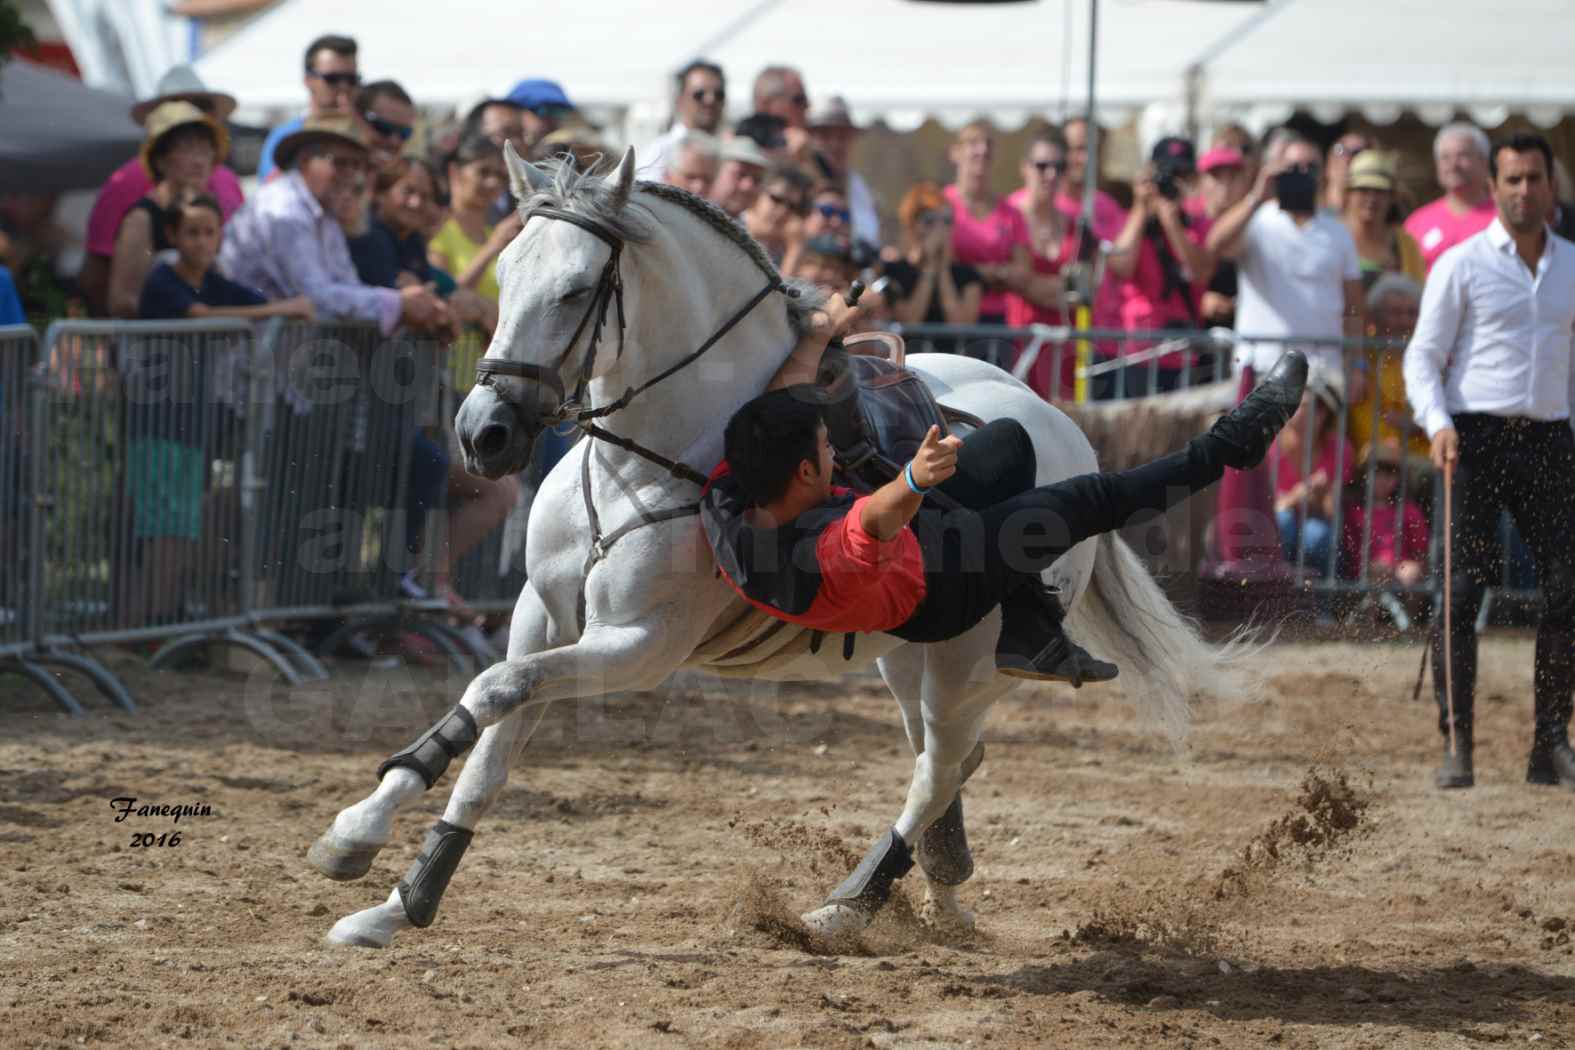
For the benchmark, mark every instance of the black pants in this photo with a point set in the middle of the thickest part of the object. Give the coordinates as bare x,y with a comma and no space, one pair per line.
977,555
1526,467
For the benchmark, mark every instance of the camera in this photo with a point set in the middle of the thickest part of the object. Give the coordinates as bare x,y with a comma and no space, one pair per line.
1296,190
1166,186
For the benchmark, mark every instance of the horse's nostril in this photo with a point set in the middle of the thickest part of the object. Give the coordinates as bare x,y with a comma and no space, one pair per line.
493,439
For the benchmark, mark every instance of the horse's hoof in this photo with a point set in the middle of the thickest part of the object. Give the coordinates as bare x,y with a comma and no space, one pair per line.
341,861
946,919
834,920
372,928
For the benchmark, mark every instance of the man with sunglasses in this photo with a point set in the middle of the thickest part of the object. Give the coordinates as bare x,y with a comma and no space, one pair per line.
389,116
779,92
331,80
698,106
1297,268
287,240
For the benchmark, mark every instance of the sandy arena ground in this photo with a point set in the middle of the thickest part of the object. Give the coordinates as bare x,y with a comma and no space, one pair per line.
635,885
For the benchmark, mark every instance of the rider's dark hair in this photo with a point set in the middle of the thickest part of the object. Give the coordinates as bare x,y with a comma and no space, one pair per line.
769,437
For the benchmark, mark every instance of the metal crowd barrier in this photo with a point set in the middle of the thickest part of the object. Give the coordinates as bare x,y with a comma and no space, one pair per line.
185,484
1345,563
23,649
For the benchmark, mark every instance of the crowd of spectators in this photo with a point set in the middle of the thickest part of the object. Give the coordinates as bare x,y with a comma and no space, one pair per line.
363,210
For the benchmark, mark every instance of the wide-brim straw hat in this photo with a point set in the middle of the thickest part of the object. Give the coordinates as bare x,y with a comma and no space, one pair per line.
341,129
182,84
169,117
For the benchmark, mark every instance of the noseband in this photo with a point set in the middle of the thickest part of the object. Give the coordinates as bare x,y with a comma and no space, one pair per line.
609,289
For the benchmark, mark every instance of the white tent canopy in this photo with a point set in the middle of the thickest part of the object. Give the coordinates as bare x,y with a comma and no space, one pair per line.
1428,57
902,62
892,59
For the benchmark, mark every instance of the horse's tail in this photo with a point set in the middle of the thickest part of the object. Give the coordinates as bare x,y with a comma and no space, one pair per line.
1124,616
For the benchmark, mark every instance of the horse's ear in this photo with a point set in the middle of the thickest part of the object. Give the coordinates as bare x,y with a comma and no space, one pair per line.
524,178
622,177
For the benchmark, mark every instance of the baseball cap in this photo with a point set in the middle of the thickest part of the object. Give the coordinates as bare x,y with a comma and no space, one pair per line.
1221,157
539,95
1175,155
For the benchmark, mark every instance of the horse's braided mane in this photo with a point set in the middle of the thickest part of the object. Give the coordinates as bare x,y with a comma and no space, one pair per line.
587,193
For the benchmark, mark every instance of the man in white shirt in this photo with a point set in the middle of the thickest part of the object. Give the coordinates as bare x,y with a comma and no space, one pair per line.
1298,272
1489,376
701,101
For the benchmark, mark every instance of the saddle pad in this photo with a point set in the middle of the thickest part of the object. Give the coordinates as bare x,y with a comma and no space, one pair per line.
877,414
754,643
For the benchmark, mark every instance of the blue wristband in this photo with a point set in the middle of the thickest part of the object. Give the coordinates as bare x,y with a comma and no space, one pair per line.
913,486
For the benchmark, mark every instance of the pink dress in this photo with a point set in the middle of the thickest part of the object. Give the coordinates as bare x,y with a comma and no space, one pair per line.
1390,543
988,241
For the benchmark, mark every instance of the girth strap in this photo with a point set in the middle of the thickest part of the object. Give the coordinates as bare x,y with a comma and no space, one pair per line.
601,544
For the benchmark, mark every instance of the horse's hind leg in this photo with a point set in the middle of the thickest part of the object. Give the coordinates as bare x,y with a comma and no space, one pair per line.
414,901
942,851
958,686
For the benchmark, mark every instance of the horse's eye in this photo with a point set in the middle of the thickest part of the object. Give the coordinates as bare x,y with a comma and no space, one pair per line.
576,295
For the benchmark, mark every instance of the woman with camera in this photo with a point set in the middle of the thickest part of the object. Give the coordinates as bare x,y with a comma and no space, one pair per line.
1162,266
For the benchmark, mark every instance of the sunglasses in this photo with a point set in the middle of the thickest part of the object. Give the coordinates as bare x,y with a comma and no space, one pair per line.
831,211
388,127
337,80
1043,166
800,100
783,200
707,95
1342,150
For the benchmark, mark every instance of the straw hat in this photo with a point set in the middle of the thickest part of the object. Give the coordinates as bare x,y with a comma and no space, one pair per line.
341,129
181,84
1372,170
169,117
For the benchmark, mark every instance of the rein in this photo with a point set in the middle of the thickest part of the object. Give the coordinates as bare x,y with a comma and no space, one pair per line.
609,290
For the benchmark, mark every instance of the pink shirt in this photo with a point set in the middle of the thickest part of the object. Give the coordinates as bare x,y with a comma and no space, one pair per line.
129,184
988,241
1437,229
1287,469
1387,545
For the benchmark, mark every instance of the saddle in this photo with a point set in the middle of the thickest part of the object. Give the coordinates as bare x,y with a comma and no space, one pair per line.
877,412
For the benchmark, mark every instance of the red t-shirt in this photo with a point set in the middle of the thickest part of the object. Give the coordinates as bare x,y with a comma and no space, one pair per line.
857,583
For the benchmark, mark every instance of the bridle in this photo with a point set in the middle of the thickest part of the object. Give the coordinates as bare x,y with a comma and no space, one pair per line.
609,290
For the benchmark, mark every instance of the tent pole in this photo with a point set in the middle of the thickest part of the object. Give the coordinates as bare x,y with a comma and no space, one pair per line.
1091,129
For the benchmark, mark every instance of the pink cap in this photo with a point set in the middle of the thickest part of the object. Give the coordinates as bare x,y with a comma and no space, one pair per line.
1220,157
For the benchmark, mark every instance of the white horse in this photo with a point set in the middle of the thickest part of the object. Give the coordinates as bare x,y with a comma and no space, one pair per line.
605,612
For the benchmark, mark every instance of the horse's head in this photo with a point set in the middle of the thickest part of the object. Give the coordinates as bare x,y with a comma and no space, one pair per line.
560,315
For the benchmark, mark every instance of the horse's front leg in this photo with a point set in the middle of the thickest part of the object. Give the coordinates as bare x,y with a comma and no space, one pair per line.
359,832
500,703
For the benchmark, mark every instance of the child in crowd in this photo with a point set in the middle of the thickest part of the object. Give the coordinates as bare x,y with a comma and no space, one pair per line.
1397,546
174,400
191,286
1305,496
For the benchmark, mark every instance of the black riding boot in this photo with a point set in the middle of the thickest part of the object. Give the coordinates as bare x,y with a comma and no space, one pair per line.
1456,771
1241,437
1034,642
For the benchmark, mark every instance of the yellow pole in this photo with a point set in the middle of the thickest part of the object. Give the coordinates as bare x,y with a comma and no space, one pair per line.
1085,353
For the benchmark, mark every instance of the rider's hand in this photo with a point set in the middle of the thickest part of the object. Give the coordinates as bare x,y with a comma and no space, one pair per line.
1446,447
936,459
